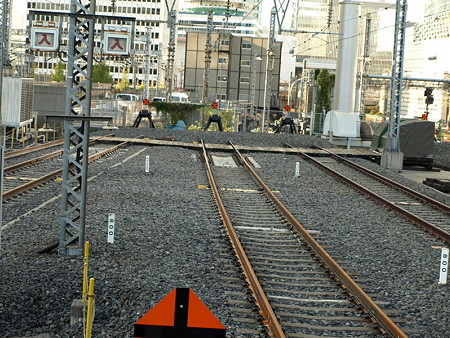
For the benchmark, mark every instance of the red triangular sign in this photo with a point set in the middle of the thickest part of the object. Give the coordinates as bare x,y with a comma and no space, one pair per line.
180,314
162,314
199,315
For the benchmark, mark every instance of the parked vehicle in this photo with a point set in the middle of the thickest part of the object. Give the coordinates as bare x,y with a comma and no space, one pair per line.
127,97
179,97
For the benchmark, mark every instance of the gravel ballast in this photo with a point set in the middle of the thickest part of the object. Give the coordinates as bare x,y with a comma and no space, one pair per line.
165,226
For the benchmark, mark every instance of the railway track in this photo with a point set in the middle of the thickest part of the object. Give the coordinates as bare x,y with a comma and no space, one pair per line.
27,175
429,214
299,289
29,150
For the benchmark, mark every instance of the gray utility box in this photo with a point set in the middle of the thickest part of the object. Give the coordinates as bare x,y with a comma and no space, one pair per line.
416,138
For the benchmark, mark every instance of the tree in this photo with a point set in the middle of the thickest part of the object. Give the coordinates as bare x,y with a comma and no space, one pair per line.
325,81
100,73
123,83
59,69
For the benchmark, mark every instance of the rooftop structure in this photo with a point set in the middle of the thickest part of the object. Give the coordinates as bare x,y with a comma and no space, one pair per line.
240,16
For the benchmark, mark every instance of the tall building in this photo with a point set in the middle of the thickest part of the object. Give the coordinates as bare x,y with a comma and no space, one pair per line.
317,47
237,73
238,17
426,58
320,20
151,17
436,6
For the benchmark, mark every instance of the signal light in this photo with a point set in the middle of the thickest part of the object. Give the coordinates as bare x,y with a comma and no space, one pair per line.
429,98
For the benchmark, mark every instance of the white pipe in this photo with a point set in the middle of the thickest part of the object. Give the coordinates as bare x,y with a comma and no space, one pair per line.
345,85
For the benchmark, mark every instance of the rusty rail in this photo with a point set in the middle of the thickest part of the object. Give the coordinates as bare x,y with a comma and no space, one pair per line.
41,180
41,158
20,152
270,320
424,224
432,202
385,324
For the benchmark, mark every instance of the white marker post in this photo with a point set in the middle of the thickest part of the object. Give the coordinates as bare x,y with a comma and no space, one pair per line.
444,266
297,169
147,164
111,226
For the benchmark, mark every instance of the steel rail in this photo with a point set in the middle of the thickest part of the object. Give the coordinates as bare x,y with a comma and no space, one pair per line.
270,320
39,159
41,180
24,164
432,202
424,224
20,152
377,315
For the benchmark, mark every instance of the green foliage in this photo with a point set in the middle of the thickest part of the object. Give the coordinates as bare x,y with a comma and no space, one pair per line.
100,73
325,81
227,121
58,75
123,83
195,126
176,111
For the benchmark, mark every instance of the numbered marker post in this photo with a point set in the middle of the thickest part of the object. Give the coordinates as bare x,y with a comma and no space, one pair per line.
147,164
297,169
444,266
111,226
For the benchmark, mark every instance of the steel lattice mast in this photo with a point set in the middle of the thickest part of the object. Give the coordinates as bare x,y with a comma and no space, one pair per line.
269,69
397,77
147,64
208,51
365,66
171,52
76,139
4,8
5,29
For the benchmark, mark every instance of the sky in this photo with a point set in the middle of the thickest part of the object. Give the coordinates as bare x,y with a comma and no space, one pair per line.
415,9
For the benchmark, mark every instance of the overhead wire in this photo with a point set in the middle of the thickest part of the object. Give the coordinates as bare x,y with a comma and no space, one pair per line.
360,34
350,37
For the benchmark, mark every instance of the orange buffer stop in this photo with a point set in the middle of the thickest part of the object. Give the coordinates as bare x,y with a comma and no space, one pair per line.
180,314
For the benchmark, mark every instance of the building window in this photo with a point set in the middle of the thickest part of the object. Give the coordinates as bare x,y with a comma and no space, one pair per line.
245,63
221,97
244,79
246,45
243,97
